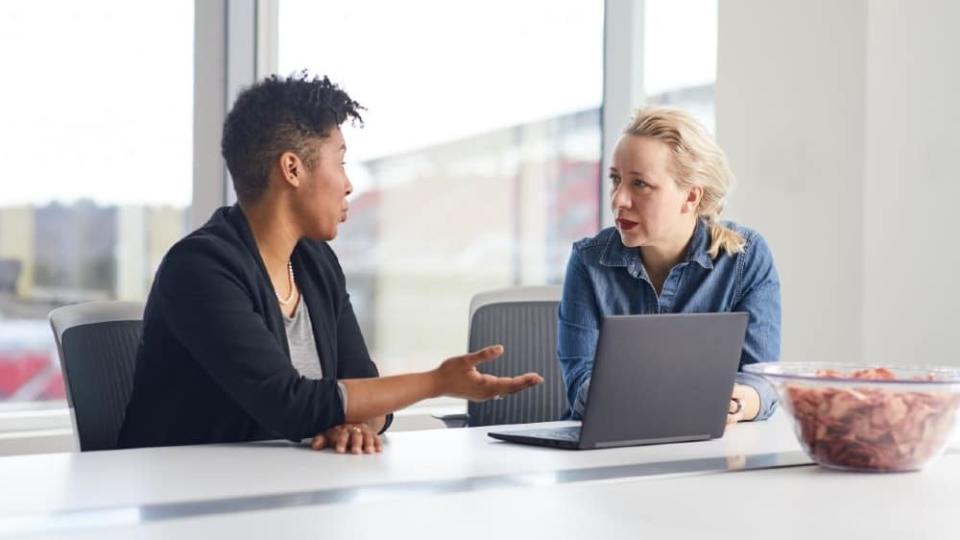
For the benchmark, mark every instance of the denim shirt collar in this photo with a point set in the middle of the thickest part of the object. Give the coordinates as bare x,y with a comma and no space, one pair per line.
616,254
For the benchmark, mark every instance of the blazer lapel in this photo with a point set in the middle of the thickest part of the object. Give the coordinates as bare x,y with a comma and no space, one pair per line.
271,309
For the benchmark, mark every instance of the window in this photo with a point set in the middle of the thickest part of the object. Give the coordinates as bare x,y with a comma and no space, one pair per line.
680,56
96,148
479,162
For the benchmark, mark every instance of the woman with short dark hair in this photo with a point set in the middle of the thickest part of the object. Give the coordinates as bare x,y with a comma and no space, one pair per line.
249,333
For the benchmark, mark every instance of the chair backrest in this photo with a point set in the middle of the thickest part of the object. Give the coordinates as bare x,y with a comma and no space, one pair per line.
524,321
97,342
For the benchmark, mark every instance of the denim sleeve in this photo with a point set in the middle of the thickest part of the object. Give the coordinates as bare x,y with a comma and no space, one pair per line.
759,296
577,332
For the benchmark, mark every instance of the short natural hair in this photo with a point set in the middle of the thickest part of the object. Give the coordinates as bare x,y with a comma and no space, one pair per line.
278,115
697,161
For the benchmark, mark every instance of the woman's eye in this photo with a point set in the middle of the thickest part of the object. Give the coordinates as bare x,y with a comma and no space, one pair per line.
614,180
639,183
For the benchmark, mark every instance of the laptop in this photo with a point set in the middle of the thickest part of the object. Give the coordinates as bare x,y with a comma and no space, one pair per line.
660,378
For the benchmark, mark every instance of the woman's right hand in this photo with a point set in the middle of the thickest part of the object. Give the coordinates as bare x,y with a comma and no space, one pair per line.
458,377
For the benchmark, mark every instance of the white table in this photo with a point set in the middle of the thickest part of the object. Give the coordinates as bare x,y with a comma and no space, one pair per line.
459,483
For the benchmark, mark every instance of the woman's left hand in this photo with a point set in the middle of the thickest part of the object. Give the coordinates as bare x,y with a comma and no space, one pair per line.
355,437
744,404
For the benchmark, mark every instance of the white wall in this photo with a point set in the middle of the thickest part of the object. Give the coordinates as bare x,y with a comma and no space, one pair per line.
912,182
838,118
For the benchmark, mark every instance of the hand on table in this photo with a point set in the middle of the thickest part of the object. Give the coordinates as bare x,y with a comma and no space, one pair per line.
353,437
744,399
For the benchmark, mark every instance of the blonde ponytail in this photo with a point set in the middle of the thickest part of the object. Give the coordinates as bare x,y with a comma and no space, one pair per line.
725,238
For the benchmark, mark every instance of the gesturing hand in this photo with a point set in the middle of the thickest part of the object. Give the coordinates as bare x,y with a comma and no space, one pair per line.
356,438
458,377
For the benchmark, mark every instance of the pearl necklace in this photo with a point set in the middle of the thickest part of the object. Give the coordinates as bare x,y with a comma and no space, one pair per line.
285,301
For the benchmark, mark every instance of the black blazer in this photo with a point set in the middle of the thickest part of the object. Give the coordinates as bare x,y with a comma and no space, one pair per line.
214,366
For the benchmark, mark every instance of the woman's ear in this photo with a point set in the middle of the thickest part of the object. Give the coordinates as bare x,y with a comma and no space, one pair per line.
291,168
692,202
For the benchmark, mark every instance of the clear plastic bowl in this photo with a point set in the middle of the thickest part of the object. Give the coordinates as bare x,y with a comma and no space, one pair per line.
898,423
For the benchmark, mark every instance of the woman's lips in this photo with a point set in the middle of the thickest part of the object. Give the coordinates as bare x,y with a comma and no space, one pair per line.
626,224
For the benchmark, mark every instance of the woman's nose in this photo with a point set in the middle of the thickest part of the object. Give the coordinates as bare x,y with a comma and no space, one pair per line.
619,199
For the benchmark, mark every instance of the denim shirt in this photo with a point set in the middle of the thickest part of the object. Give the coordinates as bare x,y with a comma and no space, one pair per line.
604,277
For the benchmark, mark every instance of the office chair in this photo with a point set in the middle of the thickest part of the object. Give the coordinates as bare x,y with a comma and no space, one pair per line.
524,321
97,343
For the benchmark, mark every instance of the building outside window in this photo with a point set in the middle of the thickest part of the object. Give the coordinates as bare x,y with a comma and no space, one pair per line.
478,164
96,176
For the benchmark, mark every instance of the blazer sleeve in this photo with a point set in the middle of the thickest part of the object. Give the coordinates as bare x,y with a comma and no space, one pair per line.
210,311
353,359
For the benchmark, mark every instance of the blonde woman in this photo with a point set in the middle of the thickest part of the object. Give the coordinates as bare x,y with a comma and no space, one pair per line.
670,253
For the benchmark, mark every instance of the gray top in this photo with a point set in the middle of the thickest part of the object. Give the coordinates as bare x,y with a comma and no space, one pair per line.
303,347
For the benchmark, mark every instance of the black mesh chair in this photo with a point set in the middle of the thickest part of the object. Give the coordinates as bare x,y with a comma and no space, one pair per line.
97,342
524,321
